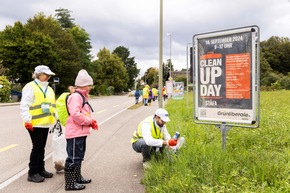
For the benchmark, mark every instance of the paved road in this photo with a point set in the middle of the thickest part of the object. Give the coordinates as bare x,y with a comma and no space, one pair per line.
110,161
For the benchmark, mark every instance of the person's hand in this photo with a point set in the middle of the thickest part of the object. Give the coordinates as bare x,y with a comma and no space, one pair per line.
172,142
29,126
94,124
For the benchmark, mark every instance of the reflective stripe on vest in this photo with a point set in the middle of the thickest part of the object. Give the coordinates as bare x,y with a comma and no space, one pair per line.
155,130
38,117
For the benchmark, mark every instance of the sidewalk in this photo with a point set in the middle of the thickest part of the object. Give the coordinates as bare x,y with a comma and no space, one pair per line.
110,161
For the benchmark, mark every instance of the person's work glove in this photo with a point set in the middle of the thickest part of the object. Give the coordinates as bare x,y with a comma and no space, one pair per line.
28,126
172,142
94,125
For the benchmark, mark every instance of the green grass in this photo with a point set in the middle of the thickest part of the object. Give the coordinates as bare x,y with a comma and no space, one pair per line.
255,160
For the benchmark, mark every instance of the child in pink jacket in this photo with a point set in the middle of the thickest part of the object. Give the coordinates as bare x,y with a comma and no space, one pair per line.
77,129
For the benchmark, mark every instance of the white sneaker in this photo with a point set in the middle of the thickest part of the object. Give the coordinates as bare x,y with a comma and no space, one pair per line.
146,165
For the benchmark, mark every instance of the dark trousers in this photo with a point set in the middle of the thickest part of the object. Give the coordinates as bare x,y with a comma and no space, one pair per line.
75,148
38,138
147,151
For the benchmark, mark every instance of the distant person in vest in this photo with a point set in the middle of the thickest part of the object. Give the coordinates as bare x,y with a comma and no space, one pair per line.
78,127
146,94
152,135
38,114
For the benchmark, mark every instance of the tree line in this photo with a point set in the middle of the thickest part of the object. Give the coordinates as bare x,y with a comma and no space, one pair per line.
65,47
275,63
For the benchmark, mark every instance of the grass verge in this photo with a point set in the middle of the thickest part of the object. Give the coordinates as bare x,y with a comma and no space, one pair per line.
255,160
135,106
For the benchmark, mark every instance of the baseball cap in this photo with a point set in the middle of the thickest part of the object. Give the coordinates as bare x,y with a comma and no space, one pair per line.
43,69
163,114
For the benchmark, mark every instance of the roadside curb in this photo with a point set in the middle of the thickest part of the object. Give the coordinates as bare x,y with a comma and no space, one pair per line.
9,104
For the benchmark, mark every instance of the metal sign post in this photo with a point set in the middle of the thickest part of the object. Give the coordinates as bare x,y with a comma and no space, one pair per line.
224,129
55,82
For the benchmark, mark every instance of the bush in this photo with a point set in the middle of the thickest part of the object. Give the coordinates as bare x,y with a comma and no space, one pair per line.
110,90
102,89
5,90
285,82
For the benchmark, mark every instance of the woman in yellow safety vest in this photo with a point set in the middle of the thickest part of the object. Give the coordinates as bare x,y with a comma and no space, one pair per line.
38,114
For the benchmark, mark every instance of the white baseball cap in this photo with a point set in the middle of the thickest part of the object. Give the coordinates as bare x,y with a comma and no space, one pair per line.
163,114
43,69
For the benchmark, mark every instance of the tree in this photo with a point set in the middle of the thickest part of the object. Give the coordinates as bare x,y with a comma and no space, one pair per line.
2,69
65,59
276,51
13,52
151,76
82,40
113,73
80,36
130,65
166,71
5,87
181,78
64,18
267,75
41,41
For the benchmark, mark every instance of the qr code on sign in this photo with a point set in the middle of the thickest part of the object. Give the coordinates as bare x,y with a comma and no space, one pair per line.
203,112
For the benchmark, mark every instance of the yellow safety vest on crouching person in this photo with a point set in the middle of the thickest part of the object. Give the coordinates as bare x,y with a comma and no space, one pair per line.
43,108
155,131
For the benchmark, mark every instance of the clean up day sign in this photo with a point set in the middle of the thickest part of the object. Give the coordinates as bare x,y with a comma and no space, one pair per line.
226,71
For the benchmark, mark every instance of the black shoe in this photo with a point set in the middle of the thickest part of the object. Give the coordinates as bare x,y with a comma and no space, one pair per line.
46,174
35,178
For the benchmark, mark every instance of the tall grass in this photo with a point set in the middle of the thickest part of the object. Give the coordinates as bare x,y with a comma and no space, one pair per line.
255,160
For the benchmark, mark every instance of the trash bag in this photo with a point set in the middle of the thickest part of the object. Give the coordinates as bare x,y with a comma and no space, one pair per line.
59,154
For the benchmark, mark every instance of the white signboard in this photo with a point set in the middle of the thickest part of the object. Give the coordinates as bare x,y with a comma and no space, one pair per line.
169,88
227,76
178,90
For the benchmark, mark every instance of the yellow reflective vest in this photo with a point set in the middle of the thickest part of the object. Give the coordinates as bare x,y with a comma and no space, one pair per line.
43,109
155,91
145,93
155,131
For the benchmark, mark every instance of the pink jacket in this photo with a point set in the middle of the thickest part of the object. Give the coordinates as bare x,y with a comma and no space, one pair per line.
79,122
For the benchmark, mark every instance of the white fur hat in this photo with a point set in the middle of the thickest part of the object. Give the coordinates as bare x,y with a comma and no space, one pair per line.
83,79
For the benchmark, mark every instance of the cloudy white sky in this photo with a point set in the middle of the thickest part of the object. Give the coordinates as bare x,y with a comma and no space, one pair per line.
134,24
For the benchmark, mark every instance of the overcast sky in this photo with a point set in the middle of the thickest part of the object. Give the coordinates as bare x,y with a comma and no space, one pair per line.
134,24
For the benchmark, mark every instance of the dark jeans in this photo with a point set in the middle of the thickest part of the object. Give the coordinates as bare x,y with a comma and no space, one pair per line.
38,139
75,148
147,151
136,100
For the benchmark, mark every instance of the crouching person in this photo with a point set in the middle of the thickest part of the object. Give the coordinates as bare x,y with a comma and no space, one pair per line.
152,134
78,127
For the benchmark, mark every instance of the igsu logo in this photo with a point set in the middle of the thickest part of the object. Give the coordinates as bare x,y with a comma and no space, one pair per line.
232,114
